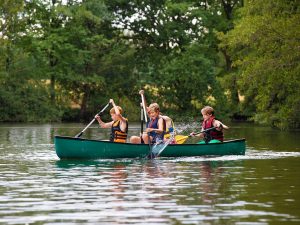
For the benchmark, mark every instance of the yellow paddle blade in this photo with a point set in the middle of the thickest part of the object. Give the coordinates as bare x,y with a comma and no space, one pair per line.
180,139
167,136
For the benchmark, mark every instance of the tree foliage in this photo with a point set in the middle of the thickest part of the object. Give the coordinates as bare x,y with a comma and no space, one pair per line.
264,47
65,59
176,47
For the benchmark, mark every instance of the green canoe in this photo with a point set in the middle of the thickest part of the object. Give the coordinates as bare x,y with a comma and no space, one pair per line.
79,148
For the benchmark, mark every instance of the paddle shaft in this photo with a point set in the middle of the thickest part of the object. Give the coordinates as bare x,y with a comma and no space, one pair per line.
142,121
185,137
78,135
204,131
150,155
144,107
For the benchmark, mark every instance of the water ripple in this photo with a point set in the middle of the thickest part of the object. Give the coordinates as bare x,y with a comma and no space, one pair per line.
38,188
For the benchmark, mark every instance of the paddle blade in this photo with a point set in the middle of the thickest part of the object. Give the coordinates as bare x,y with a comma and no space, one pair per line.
158,148
79,135
180,139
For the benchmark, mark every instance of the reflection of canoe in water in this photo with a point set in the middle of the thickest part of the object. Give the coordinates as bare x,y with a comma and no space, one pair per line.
78,148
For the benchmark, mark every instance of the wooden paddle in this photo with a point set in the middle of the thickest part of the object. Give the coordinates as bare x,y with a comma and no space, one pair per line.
183,139
99,113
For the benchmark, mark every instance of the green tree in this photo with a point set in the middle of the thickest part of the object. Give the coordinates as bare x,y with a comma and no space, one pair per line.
263,48
100,62
226,9
23,96
176,49
188,79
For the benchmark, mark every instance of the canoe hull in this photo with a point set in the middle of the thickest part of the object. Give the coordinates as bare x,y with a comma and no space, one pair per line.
77,148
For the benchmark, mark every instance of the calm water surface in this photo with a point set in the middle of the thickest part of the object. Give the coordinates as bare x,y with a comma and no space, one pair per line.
262,187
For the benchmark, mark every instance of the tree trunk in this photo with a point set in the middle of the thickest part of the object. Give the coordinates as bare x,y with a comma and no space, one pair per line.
233,89
52,89
228,6
53,63
85,98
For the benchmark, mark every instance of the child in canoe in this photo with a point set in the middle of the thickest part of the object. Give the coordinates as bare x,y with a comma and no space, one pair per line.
118,125
168,120
209,121
155,127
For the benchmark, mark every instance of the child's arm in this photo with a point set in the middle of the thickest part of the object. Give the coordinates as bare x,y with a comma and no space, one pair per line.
219,125
193,134
166,118
160,127
119,116
169,122
102,124
117,111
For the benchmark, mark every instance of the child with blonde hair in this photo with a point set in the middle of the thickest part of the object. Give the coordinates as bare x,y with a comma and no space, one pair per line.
118,125
156,125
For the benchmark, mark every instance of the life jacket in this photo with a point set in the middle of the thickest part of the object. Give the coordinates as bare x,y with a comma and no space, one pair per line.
212,134
169,130
153,134
117,135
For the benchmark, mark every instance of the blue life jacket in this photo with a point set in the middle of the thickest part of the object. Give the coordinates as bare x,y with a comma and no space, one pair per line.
154,124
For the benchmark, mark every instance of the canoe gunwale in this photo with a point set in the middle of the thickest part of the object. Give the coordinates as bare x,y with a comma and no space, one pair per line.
116,143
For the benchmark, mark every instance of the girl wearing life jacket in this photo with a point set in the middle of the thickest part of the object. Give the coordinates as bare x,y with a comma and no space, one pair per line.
118,125
215,135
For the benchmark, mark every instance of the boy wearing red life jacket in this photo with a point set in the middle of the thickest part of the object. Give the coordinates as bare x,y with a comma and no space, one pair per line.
209,121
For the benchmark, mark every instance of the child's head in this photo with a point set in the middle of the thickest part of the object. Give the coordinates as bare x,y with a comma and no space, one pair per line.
207,111
113,112
153,110
154,107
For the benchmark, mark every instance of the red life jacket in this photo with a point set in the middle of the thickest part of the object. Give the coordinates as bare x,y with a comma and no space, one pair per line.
212,134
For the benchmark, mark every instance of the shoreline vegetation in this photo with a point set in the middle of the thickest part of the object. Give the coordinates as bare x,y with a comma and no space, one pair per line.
61,61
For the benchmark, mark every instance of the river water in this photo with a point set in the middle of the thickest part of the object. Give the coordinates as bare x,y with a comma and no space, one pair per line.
262,187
